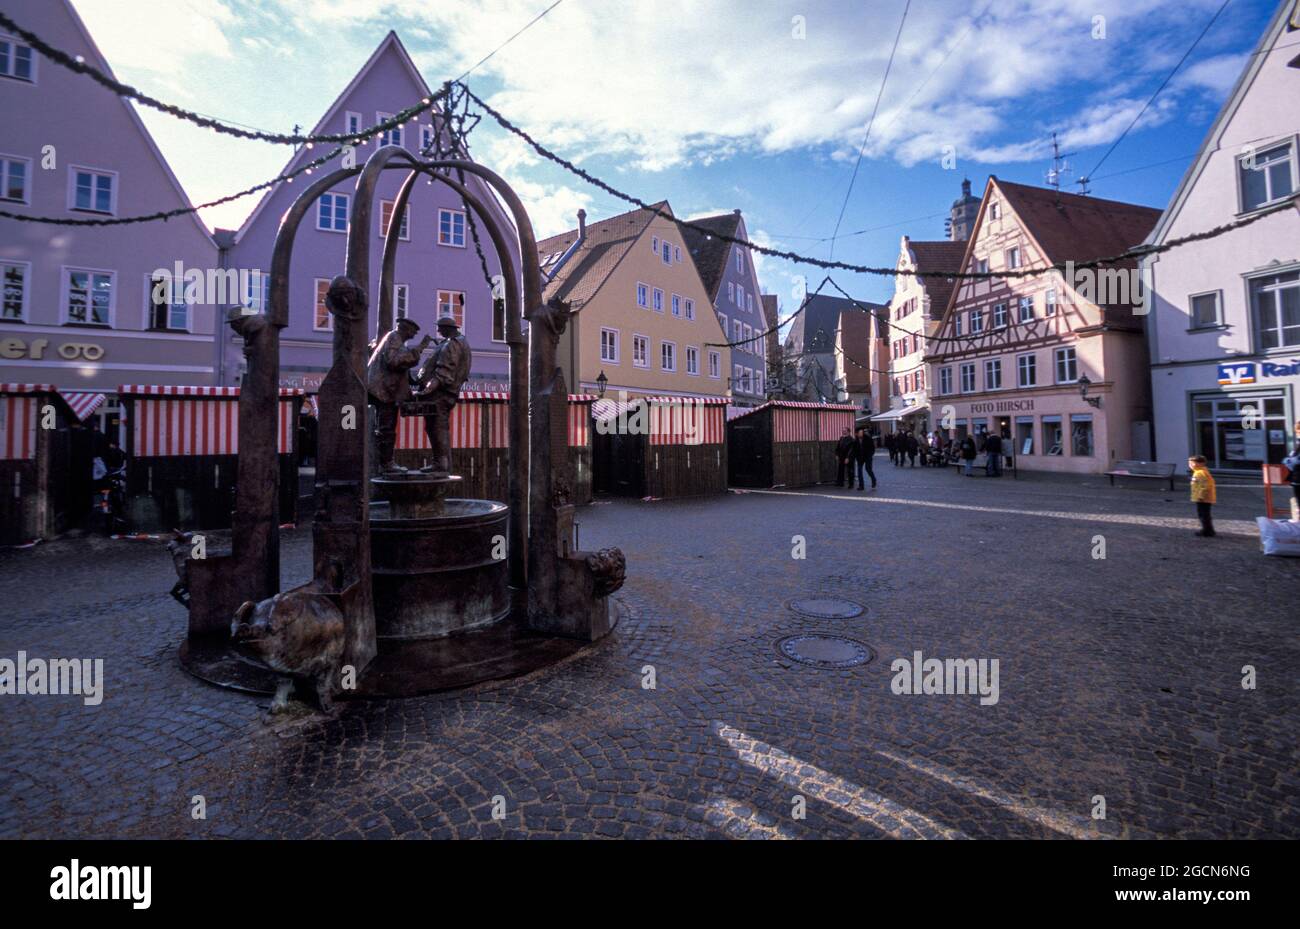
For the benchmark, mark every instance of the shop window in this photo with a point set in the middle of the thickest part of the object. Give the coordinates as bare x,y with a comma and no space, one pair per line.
1081,434
1053,436
1024,435
1241,432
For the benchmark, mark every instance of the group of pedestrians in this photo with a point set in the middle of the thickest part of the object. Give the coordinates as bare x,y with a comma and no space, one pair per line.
854,452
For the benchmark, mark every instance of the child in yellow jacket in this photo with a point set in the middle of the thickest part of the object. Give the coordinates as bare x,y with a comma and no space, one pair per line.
1202,493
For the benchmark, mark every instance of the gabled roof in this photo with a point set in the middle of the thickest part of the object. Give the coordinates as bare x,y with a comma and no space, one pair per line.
941,256
815,327
1068,227
392,43
1210,144
709,251
605,246
101,62
770,309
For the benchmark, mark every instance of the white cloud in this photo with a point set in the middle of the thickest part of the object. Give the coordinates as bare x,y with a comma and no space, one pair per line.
163,37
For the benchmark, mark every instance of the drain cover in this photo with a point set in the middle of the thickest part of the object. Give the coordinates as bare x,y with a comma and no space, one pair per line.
826,608
825,651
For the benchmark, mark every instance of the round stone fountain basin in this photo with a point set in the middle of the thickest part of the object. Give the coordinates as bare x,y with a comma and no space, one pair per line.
437,575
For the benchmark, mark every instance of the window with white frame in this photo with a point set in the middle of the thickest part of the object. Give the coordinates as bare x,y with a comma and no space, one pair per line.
945,380
1026,370
352,122
322,318
722,318
658,300
640,351
1013,257
1205,310
749,302
257,290
609,346
968,378
740,296
654,244
389,136
715,364
167,308
1067,365
677,254
690,308
993,374
1049,303
749,337
92,191
386,220
677,306
1266,176
16,60
426,138
452,303
731,292
15,174
999,316
736,376
692,360
1025,306
401,300
667,253
642,295
13,298
451,228
88,296
332,212
1276,301
668,356
982,265
976,321
740,260
737,331
995,209
956,324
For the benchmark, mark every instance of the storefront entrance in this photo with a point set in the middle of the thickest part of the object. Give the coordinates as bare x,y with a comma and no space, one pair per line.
1240,431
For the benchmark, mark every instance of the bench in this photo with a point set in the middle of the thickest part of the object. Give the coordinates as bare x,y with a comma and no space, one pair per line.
1152,469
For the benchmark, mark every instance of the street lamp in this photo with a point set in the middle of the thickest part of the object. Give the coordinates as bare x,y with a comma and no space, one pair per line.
1084,383
601,383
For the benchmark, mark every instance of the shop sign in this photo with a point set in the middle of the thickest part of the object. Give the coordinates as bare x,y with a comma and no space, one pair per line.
1003,406
1239,373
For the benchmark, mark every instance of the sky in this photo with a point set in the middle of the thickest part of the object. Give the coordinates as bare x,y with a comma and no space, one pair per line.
759,105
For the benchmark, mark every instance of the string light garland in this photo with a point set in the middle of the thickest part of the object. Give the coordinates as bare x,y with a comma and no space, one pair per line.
1132,254
78,65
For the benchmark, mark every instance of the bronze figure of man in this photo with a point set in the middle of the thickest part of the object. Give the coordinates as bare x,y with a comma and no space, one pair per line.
389,383
439,381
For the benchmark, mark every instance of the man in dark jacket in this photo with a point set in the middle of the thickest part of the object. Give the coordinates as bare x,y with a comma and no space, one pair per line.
843,454
912,448
865,452
993,448
967,454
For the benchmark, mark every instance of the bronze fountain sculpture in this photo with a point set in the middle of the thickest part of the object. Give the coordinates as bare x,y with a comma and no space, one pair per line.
409,592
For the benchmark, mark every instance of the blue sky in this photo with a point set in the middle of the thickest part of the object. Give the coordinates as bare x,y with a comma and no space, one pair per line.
760,105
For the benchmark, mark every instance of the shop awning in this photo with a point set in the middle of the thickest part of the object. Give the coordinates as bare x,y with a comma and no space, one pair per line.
83,402
900,413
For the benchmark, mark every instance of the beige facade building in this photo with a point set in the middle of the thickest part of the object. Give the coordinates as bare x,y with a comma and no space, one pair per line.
915,312
641,315
1057,367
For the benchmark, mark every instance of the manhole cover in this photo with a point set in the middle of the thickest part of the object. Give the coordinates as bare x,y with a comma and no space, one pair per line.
826,608
825,651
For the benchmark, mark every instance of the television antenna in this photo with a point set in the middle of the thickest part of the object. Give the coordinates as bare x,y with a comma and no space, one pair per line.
1060,167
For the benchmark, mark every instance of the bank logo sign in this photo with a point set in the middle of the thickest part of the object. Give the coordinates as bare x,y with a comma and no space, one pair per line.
1232,375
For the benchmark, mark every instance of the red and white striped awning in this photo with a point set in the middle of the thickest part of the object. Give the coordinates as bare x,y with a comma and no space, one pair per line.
154,390
82,402
196,421
27,389
734,414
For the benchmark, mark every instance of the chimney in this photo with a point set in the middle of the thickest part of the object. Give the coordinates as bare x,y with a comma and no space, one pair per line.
582,223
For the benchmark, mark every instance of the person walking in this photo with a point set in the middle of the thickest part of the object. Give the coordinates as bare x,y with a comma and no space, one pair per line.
889,445
993,449
912,448
1203,494
866,451
843,454
968,454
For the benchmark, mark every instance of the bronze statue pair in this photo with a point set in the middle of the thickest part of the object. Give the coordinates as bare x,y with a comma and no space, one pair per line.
438,381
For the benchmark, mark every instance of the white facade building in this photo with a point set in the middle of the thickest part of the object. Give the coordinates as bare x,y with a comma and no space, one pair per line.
1224,329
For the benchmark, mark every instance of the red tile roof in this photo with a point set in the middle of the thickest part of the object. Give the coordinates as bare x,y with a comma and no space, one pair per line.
856,335
938,256
607,242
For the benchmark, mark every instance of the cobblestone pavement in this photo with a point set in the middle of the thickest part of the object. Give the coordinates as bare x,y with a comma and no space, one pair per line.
1119,678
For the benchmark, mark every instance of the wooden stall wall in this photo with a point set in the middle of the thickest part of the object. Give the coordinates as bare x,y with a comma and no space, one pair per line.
683,454
36,485
786,444
182,448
